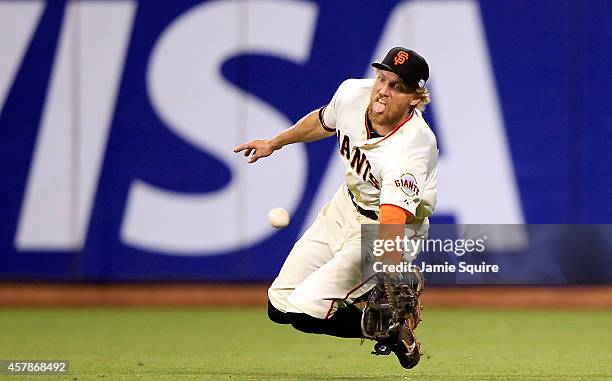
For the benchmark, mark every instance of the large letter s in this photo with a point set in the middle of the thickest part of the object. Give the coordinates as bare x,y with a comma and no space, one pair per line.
189,94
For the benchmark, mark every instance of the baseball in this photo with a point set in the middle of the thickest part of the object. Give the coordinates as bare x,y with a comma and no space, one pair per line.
278,217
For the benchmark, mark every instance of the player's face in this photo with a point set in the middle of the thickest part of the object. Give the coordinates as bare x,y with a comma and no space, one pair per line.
391,100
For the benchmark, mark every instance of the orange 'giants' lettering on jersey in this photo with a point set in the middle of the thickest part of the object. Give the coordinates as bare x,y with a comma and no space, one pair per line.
359,161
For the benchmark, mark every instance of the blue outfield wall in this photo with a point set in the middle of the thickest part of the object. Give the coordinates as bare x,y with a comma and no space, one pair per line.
117,121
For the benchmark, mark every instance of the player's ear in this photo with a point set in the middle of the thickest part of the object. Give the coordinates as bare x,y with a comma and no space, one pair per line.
415,101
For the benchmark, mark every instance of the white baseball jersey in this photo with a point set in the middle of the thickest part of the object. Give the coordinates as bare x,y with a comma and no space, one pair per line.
323,270
398,169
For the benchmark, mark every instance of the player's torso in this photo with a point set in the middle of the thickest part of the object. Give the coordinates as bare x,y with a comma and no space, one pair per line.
361,155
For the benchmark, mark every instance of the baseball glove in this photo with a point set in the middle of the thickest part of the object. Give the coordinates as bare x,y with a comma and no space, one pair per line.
392,313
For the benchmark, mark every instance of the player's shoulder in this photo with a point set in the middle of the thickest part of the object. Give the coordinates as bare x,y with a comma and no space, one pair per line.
357,84
351,94
355,87
418,131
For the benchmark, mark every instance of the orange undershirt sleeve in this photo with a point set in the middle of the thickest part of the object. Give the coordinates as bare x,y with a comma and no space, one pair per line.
393,214
392,219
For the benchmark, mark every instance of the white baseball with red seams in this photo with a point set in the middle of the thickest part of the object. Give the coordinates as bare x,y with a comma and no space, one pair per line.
278,217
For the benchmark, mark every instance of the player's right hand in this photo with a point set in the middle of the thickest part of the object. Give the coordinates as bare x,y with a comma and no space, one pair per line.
256,149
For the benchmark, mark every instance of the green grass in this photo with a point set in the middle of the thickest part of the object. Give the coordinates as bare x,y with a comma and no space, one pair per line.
184,344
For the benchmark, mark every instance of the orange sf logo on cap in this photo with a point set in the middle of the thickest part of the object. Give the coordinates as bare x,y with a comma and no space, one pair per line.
400,57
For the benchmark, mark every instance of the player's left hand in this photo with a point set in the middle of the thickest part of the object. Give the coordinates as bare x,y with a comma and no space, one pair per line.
392,313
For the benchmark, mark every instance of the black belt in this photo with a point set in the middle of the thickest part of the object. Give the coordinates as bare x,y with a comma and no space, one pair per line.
364,212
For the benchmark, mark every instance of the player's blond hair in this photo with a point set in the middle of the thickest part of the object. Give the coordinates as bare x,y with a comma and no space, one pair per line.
424,98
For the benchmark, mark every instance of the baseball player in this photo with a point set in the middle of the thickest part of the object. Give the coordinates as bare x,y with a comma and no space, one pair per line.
390,155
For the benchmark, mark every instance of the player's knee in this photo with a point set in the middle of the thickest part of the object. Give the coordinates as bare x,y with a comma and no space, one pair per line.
306,323
277,315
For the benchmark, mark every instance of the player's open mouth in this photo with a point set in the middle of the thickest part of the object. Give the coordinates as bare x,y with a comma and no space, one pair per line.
379,106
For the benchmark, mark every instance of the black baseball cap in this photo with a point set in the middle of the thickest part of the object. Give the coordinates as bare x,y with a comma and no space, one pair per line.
408,64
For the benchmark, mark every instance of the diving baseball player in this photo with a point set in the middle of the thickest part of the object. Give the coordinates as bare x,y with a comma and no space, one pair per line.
390,155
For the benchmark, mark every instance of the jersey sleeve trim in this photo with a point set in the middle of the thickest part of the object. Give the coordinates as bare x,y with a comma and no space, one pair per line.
325,126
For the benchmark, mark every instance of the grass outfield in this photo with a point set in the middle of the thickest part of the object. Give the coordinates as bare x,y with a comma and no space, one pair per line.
196,344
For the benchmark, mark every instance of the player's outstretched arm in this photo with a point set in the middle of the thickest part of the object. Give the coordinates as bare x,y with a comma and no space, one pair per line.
307,129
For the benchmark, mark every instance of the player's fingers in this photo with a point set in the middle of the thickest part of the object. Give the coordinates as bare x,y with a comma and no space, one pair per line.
254,158
257,155
248,151
242,147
